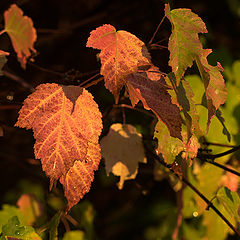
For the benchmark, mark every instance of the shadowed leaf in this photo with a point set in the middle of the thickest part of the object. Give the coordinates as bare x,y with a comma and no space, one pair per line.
122,150
3,60
150,87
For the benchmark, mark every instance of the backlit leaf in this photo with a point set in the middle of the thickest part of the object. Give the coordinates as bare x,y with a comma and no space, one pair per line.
170,147
230,201
30,208
53,226
216,92
14,230
21,31
3,60
122,150
74,235
66,123
150,87
184,44
121,54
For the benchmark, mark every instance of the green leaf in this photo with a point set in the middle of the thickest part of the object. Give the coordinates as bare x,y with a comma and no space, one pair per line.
74,235
8,212
230,201
171,147
53,233
15,230
184,44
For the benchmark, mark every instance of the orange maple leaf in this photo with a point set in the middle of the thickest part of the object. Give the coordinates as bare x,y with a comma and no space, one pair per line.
121,54
21,31
66,123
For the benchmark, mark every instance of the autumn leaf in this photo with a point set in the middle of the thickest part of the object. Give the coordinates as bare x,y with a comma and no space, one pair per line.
184,44
150,87
30,208
121,54
66,123
122,150
171,147
215,90
3,60
21,31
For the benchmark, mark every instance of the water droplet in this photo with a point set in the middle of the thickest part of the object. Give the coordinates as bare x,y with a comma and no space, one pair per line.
195,214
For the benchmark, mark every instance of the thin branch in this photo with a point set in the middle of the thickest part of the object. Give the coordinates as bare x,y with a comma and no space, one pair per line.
46,70
156,30
89,79
209,203
158,46
134,108
221,166
17,79
214,156
93,82
3,31
218,144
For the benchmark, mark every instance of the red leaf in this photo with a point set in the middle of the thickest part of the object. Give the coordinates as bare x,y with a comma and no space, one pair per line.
121,54
184,44
150,87
66,123
216,92
21,31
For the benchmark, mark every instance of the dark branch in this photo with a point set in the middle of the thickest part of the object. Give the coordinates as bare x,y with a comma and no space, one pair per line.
209,203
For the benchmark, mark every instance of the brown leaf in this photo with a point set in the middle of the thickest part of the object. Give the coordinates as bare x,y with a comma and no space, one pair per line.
150,87
21,31
122,150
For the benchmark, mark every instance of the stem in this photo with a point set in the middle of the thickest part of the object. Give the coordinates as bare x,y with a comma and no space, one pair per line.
93,82
156,30
47,70
135,109
218,144
209,203
89,79
222,166
3,31
213,156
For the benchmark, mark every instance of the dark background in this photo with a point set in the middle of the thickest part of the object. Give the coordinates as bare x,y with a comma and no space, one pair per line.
62,57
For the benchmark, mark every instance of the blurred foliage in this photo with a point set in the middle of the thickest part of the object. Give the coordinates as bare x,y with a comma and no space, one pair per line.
146,207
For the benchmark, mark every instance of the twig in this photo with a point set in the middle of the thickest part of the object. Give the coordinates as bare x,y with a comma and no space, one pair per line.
156,30
3,31
209,203
93,82
218,144
134,108
18,79
46,70
221,166
214,156
89,79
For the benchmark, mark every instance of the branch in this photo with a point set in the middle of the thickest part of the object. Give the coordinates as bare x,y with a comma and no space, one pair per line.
213,156
209,203
156,30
